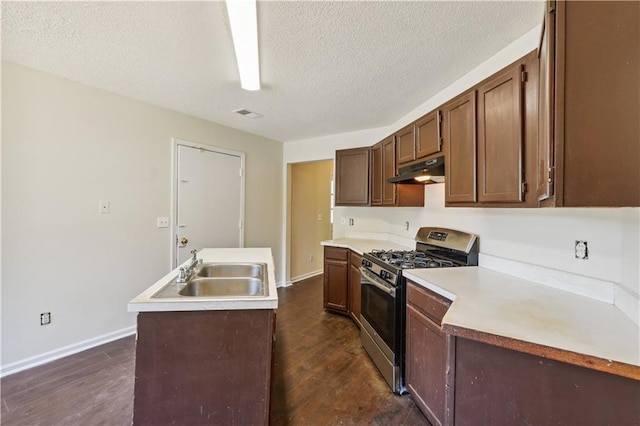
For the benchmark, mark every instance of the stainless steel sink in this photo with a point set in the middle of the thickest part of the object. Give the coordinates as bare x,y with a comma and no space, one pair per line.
220,280
223,287
252,270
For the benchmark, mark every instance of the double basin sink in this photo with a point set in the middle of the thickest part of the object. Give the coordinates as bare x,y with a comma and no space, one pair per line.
220,280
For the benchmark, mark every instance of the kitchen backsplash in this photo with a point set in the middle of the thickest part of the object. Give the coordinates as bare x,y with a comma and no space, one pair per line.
537,237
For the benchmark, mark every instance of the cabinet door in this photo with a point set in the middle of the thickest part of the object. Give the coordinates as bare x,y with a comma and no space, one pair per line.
426,365
354,287
406,145
500,121
376,174
388,170
546,52
335,285
428,137
352,177
460,146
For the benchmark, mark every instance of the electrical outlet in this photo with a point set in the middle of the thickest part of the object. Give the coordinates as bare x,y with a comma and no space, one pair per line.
350,222
320,217
163,222
406,226
45,318
581,250
311,258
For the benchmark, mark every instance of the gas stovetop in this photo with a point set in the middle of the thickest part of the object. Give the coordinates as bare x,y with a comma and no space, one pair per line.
410,259
435,248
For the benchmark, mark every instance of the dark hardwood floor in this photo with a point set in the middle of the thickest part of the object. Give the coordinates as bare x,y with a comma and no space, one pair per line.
321,376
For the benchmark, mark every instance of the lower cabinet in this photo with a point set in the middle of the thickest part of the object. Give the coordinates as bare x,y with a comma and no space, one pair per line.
342,281
355,260
499,386
336,279
428,353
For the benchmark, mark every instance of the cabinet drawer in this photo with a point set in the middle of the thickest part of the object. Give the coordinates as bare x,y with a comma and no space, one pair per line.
336,253
431,304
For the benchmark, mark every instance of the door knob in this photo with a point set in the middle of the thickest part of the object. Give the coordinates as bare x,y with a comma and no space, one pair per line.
184,241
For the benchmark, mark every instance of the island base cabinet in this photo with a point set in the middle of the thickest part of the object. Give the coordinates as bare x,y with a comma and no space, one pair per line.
498,386
203,367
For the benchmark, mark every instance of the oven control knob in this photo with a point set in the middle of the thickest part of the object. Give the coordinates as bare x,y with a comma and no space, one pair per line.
384,274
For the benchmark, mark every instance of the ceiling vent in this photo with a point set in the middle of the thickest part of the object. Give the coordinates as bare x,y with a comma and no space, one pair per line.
247,113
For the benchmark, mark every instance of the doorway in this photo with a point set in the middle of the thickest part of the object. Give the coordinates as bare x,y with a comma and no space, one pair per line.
310,217
208,198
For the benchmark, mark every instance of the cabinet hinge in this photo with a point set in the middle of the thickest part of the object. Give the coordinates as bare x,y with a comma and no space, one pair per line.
439,144
524,76
439,117
523,187
550,175
551,5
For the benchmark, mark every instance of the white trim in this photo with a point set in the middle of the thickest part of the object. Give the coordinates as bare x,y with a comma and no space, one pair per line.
305,276
175,143
34,361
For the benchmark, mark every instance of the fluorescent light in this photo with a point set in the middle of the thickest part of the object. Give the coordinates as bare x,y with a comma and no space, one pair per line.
423,178
244,30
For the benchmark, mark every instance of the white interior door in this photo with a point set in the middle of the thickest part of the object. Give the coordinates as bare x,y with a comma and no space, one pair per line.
209,200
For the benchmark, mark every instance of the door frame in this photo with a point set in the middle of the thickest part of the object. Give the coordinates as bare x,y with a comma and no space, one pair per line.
175,144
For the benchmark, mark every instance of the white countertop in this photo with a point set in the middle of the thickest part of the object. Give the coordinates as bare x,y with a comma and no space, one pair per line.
507,306
361,246
145,303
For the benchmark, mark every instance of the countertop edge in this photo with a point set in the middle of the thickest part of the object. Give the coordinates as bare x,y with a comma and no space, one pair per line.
563,355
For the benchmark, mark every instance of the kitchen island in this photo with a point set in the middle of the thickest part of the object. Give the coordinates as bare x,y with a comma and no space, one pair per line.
205,360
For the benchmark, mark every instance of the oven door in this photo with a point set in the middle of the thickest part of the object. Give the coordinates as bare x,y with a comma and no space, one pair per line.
379,311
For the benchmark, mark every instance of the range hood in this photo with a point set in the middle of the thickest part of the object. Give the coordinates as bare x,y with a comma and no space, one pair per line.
424,172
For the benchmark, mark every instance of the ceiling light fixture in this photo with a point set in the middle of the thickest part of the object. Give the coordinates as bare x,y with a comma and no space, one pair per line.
244,30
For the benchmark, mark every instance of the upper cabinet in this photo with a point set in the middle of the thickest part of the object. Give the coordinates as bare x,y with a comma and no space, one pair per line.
428,135
589,153
352,177
376,174
420,139
460,142
383,167
490,139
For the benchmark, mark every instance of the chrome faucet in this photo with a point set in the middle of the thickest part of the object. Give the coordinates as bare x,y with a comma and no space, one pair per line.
185,273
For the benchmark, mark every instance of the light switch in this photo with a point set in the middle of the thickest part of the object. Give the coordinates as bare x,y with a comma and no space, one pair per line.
163,222
105,207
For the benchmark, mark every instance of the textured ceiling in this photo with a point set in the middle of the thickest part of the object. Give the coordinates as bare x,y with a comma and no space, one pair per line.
326,67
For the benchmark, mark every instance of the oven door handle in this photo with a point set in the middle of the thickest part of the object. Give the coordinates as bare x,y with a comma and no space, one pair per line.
369,278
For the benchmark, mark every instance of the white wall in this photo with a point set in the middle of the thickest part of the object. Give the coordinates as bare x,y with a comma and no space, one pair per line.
542,237
65,146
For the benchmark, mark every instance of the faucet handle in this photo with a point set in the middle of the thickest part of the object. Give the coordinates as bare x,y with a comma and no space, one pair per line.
193,253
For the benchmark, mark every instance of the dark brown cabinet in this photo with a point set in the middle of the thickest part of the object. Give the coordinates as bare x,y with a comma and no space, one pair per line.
352,177
490,138
428,353
336,279
460,143
388,170
495,385
406,140
589,153
376,174
419,140
355,260
383,167
428,135
500,148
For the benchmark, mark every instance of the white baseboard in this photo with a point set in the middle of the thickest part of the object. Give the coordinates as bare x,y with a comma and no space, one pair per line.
284,284
46,357
305,276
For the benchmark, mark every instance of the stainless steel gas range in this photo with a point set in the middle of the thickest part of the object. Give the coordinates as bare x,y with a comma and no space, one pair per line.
384,293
